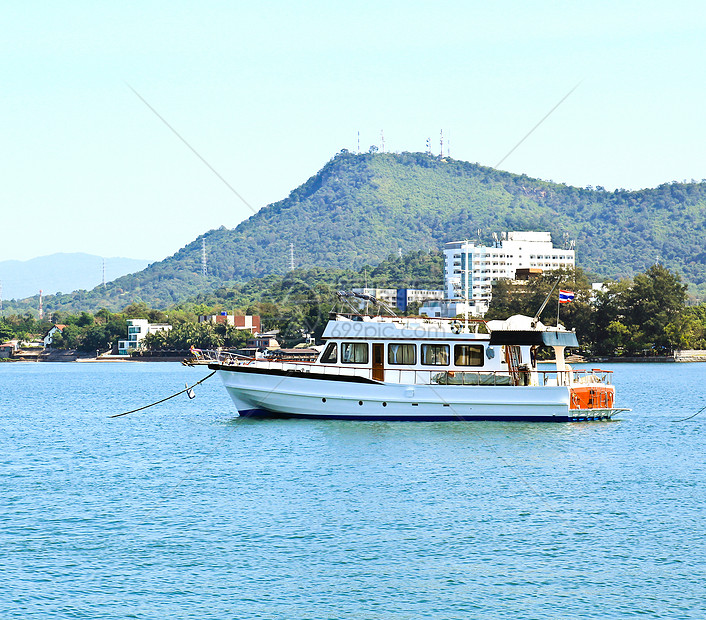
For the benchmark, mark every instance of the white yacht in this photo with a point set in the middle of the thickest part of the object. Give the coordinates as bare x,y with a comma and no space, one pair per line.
403,368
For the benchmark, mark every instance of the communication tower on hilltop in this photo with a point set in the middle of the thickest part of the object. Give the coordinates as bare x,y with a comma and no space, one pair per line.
204,261
382,140
428,146
441,143
359,143
291,257
41,310
104,273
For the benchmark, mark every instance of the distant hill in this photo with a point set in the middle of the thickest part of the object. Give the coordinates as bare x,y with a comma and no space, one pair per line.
360,208
61,272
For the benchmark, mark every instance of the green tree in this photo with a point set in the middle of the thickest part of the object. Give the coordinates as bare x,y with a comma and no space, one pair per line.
96,338
6,332
655,299
69,338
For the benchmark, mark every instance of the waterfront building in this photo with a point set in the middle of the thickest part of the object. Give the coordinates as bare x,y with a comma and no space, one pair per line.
471,268
398,298
49,337
445,308
245,321
137,330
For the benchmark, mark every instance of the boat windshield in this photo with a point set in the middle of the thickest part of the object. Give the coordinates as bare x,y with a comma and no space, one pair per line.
329,356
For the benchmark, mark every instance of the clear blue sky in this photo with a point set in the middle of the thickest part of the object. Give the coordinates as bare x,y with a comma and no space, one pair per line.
267,92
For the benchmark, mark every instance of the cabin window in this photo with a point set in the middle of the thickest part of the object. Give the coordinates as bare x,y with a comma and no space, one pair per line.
468,355
402,354
329,355
354,352
435,354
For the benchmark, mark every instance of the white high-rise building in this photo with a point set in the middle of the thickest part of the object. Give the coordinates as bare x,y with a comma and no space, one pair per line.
516,250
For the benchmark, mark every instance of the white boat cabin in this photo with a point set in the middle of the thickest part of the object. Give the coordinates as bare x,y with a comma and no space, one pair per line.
419,350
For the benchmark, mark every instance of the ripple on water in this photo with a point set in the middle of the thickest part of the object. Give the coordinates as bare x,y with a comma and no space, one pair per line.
185,511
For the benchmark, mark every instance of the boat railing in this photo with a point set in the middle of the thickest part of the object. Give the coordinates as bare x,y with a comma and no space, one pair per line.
498,377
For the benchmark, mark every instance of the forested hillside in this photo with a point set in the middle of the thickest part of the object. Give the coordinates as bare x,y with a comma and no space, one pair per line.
361,208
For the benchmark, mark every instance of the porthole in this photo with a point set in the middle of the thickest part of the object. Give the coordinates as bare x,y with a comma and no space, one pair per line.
384,404
323,400
360,402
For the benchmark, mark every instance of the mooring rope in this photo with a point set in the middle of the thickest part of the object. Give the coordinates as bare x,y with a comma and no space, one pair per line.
691,416
117,415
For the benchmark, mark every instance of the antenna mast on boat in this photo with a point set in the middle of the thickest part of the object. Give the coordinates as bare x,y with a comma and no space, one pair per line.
465,272
544,305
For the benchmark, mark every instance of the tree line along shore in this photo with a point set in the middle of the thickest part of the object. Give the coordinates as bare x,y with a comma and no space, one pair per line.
647,316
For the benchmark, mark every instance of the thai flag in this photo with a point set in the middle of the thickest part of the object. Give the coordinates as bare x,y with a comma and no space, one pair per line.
565,297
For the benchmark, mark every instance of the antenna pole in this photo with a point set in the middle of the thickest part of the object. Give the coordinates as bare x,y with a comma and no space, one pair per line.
104,273
466,274
544,305
204,263
291,257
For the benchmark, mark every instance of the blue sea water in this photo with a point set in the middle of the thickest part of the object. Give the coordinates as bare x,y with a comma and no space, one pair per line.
185,511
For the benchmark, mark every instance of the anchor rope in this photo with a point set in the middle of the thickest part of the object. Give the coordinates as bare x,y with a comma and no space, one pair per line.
691,416
117,415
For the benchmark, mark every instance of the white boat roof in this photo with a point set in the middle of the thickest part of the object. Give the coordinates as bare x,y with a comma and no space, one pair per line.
517,329
400,328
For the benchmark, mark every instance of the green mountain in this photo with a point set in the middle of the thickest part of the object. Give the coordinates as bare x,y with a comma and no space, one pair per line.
359,209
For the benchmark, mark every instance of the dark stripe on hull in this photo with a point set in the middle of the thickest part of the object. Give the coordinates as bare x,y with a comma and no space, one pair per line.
261,413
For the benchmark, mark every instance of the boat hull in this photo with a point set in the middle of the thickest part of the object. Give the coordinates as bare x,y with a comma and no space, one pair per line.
295,395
